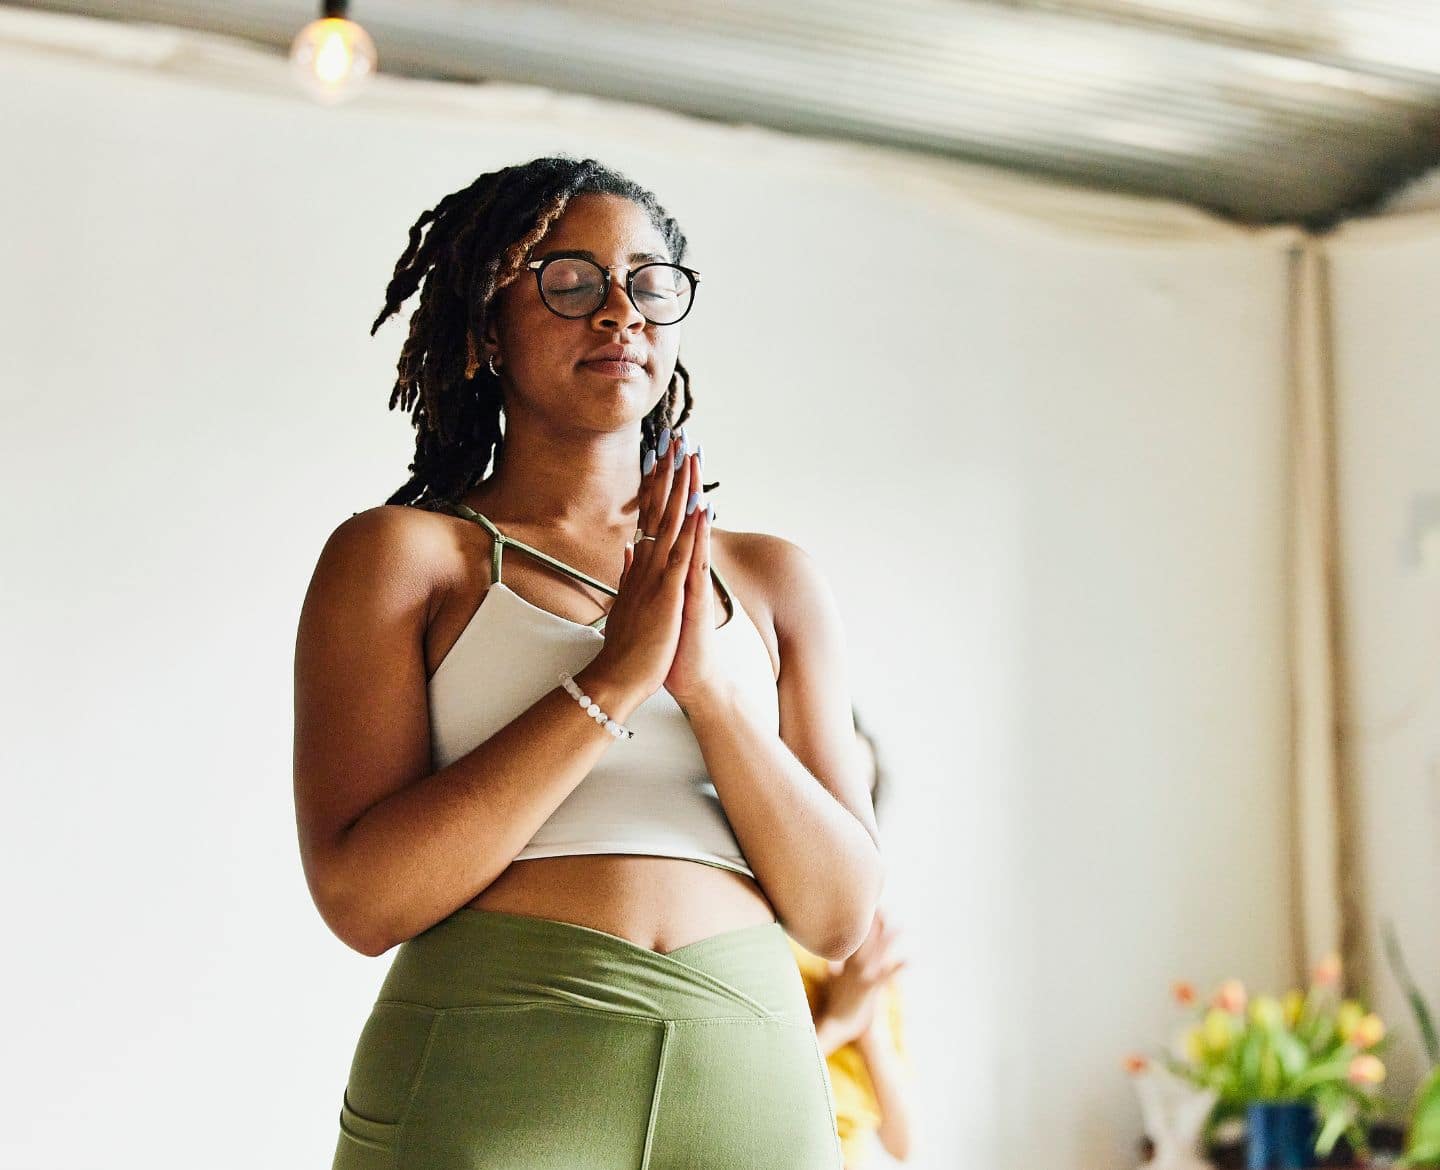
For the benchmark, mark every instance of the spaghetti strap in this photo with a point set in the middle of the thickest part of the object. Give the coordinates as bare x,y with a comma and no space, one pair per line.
724,588
499,540
497,545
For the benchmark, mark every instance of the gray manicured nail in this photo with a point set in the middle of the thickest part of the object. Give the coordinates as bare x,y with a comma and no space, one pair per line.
663,442
692,502
648,463
700,451
685,447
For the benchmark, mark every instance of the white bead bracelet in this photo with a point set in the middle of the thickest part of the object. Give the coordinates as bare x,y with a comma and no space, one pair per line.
593,709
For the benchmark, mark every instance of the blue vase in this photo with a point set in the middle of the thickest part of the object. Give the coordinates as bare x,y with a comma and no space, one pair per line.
1281,1135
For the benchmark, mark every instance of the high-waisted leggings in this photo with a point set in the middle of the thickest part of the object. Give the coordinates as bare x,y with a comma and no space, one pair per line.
508,1042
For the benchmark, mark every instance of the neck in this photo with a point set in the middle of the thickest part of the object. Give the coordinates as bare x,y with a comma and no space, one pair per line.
575,481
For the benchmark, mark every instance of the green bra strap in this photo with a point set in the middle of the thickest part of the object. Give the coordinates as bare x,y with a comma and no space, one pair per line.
500,540
497,544
725,586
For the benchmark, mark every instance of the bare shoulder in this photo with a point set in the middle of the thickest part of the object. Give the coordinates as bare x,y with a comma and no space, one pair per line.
787,581
390,529
393,547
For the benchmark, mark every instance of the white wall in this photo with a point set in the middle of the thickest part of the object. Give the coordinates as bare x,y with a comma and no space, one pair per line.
1386,277
1035,436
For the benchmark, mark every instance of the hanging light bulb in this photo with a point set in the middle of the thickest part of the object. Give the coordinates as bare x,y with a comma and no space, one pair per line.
333,57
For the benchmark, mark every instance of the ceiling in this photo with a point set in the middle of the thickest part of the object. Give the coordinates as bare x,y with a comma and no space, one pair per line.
1264,111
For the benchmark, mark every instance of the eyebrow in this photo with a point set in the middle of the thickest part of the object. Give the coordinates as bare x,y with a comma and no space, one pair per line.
584,255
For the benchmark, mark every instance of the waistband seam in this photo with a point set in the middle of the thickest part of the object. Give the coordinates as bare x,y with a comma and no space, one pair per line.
477,1009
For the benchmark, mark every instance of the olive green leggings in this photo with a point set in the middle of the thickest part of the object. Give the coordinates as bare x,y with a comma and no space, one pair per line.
508,1042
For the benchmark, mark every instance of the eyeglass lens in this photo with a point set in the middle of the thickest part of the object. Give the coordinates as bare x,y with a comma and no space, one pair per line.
576,288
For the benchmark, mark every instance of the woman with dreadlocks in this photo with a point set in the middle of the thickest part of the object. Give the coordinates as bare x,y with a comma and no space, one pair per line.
589,906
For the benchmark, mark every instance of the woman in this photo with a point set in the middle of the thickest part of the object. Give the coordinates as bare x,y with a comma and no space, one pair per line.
857,1010
590,914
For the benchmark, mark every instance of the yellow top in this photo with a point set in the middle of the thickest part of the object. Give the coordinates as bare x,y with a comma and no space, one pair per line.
857,1111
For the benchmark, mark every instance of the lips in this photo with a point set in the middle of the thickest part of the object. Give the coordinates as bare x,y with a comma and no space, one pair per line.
614,353
614,369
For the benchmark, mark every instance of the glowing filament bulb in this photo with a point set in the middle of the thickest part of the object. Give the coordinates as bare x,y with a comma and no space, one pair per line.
333,58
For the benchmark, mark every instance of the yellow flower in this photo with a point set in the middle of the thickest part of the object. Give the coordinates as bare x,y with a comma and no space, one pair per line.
1218,1030
1195,1045
1231,997
1266,1011
1366,1069
1347,1016
1294,1004
1368,1032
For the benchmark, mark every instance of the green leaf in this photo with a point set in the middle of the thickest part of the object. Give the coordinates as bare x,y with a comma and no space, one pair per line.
1412,993
1249,1060
1292,1054
1337,1120
1422,1144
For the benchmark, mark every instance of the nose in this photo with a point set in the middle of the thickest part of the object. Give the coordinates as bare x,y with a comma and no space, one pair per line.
618,311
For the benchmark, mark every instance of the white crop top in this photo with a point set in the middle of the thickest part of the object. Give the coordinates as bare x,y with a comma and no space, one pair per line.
650,794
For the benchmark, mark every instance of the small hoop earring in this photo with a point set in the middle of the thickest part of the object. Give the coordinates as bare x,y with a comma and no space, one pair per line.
494,373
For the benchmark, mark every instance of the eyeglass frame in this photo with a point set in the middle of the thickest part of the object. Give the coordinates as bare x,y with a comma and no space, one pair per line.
538,268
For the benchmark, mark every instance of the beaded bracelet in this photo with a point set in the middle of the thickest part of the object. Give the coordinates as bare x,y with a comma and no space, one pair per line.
593,709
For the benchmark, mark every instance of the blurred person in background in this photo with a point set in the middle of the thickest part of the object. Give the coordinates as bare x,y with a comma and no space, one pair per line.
855,1003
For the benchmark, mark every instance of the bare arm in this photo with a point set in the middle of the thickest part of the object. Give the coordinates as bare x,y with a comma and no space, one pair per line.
389,847
797,799
887,1076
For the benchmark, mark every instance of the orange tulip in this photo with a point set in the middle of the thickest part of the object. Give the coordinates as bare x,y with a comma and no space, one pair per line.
1327,974
1366,1069
1134,1063
1231,997
1184,992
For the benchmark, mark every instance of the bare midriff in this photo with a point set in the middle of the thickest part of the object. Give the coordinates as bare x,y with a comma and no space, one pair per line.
660,903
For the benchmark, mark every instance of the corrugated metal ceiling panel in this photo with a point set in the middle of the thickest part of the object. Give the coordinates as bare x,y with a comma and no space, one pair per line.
1264,110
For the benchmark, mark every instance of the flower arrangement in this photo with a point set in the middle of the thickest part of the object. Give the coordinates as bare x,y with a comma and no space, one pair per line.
1310,1045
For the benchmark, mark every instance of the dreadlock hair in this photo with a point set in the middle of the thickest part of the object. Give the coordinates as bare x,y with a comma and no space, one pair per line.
478,243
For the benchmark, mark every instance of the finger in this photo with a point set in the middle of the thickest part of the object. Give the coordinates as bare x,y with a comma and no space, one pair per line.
629,560
674,515
661,490
650,505
701,556
689,533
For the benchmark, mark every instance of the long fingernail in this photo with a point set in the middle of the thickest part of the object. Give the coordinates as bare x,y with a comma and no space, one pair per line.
662,444
647,464
691,502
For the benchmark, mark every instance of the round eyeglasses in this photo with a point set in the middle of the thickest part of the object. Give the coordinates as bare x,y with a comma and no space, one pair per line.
573,287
